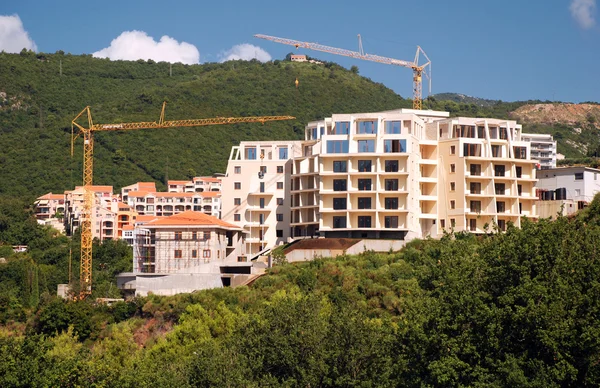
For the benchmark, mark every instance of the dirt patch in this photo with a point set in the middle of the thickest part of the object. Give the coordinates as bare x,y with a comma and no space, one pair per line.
569,114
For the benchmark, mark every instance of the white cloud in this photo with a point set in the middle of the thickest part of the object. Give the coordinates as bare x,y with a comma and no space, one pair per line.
133,45
13,37
583,12
245,52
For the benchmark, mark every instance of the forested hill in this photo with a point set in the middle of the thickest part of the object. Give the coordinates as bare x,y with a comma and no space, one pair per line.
38,100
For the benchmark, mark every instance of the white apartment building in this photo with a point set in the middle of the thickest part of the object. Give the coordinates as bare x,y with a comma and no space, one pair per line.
543,149
256,191
579,183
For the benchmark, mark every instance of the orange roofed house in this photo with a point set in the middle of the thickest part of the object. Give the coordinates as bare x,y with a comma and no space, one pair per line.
185,252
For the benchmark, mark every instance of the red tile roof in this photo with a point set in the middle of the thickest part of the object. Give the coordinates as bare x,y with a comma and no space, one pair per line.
177,182
188,218
52,196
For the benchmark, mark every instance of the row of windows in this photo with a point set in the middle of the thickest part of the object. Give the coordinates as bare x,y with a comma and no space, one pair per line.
178,254
238,186
238,202
251,154
389,146
263,169
364,166
339,222
194,236
364,203
364,127
365,185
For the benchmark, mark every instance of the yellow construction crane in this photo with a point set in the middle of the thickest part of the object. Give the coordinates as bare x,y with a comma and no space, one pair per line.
85,270
418,70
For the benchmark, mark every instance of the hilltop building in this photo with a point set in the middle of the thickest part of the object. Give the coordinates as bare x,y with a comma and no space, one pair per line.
397,174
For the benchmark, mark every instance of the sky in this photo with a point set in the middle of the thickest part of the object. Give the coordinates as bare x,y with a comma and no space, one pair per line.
504,50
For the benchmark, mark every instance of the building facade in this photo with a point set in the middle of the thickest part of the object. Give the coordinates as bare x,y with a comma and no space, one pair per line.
578,183
543,149
256,191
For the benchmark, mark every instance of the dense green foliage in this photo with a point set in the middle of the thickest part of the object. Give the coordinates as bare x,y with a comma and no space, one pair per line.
35,117
511,309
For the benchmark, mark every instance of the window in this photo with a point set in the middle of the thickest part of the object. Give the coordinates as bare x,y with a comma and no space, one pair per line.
194,253
470,149
261,202
452,222
279,233
364,202
339,222
475,169
392,127
496,151
206,253
577,192
391,221
452,186
578,176
366,146
279,201
237,201
391,184
279,169
340,185
237,185
340,166
452,150
364,221
502,225
473,225
391,166
279,185
391,203
262,187
261,219
313,132
206,236
475,187
500,207
279,217
364,166
177,254
237,217
394,146
237,170
520,152
263,169
368,127
364,184
251,153
452,204
519,171
452,167
442,224
500,188
283,153
178,236
339,203
519,189
475,206
499,170
337,146
341,128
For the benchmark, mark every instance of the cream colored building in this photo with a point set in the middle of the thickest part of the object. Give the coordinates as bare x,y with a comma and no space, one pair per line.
255,193
164,204
485,174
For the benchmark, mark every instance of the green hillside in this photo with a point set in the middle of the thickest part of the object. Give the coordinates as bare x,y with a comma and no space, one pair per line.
37,105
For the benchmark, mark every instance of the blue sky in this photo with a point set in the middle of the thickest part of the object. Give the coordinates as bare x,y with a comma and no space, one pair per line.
509,50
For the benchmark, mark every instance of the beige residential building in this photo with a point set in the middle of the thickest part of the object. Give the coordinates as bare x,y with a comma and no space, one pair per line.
139,186
104,211
396,174
256,191
163,204
486,176
50,210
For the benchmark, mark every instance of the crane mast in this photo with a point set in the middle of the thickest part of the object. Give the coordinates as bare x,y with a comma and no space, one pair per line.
85,269
418,70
